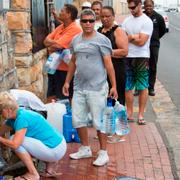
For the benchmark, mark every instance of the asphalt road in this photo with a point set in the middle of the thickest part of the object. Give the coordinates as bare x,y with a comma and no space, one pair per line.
169,59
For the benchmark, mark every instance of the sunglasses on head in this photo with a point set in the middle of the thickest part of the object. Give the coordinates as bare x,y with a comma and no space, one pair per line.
132,7
87,20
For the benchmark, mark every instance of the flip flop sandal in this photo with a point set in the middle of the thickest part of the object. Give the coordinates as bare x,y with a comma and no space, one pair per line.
113,140
130,120
50,174
22,177
141,121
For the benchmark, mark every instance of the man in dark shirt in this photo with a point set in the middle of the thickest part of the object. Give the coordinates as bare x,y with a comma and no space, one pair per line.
159,29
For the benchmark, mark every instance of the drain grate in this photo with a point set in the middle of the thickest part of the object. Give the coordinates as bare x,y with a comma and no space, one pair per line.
125,178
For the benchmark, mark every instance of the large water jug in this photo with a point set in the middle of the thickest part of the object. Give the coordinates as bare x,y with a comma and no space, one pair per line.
122,127
70,133
108,118
53,62
55,113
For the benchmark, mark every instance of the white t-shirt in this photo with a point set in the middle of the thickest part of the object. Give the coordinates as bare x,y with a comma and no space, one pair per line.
27,99
136,25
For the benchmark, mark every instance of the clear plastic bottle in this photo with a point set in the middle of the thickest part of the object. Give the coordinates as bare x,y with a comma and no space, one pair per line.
122,127
53,61
108,119
66,56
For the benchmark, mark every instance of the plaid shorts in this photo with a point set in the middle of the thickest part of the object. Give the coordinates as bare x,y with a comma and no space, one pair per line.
137,73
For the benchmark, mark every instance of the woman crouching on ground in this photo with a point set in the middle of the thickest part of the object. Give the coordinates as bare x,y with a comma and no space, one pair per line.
34,136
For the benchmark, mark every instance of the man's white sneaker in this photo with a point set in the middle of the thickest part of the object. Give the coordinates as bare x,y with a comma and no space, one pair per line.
102,158
83,152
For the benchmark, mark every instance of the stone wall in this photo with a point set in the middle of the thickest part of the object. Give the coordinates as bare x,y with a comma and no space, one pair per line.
29,65
8,76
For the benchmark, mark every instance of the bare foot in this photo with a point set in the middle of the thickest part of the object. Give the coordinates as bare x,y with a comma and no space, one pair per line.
50,174
51,167
115,139
28,176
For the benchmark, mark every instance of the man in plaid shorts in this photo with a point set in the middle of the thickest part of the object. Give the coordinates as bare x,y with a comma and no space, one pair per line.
139,29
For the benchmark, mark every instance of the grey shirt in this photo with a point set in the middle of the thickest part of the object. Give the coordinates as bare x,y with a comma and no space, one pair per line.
90,71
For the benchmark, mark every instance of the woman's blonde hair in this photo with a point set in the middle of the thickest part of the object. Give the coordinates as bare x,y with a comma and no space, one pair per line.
7,101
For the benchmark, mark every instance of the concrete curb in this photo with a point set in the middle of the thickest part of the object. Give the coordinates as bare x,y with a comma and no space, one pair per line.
168,120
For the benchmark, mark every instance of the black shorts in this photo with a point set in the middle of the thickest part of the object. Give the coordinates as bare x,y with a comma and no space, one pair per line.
43,113
55,85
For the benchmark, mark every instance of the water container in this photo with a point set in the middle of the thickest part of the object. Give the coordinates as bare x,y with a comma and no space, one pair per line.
70,133
108,119
66,102
122,127
53,62
66,56
55,113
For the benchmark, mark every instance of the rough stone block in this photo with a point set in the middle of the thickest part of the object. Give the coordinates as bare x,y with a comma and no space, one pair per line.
2,84
35,71
5,57
11,60
40,56
36,87
1,63
18,20
20,4
11,80
23,43
23,61
24,78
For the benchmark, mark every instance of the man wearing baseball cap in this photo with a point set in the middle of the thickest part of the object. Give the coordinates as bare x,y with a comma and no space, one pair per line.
86,5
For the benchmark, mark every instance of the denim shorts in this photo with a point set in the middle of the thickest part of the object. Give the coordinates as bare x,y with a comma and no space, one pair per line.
86,101
137,73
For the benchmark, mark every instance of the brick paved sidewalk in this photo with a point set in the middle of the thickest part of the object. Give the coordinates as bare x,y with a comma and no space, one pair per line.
143,156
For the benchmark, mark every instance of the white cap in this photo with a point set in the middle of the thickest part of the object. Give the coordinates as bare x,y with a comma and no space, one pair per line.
86,4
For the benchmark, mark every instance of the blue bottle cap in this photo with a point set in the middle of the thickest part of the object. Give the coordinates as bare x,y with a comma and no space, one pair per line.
109,102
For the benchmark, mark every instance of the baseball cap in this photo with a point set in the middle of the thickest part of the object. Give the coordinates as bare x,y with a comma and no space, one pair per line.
86,4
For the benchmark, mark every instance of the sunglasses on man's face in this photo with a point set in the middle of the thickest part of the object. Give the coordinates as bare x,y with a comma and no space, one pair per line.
132,7
87,20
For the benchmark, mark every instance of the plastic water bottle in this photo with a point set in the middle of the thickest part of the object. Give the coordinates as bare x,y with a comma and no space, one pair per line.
108,119
122,127
53,62
66,56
